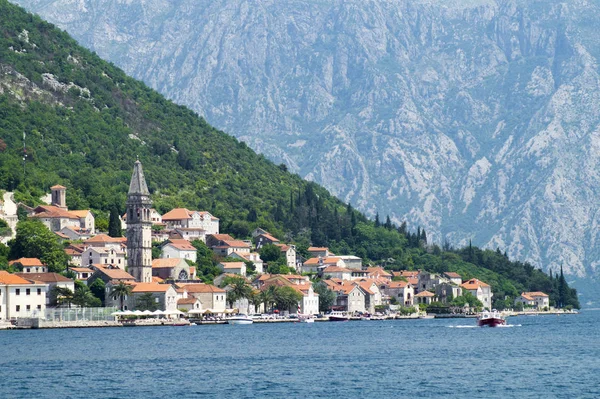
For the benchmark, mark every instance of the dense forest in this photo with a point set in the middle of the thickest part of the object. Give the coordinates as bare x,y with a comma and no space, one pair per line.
85,122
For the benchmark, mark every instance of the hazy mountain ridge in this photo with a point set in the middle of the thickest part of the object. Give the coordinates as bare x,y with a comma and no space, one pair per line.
474,119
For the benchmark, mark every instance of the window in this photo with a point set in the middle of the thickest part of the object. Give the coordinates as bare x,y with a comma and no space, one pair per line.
18,291
156,300
39,291
39,307
28,308
28,291
28,270
18,308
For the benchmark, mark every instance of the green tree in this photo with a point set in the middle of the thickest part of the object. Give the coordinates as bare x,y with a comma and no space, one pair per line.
114,223
83,297
146,301
61,296
34,240
98,289
270,253
121,291
287,298
326,296
265,298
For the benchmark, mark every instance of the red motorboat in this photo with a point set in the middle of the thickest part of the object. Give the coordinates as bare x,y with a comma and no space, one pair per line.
490,319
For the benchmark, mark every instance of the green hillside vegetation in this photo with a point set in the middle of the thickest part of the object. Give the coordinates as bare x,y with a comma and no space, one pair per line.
87,133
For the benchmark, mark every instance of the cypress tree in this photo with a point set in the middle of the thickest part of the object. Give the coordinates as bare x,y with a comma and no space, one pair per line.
377,222
388,223
114,224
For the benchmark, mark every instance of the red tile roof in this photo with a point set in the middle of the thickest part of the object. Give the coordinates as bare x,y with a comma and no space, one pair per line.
425,294
8,278
202,288
151,287
27,262
165,262
473,284
46,277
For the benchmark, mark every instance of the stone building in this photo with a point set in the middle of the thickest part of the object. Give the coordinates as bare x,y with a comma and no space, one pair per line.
139,227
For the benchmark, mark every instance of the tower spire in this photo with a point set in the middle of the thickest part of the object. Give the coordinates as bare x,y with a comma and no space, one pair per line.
138,181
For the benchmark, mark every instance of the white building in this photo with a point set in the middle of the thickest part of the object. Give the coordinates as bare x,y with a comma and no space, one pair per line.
211,297
20,297
29,265
50,281
536,299
184,218
233,268
479,289
178,248
253,257
289,251
104,256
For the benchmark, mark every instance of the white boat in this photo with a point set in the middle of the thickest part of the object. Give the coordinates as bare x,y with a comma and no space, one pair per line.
240,319
306,318
338,316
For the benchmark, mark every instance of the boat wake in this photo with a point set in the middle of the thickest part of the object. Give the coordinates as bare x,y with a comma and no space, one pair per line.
500,326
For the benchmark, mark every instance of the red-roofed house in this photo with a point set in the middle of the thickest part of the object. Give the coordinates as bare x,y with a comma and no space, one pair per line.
21,297
481,290
56,216
181,248
253,257
265,239
289,251
425,297
50,280
403,291
238,268
536,299
211,297
29,265
315,252
181,218
226,248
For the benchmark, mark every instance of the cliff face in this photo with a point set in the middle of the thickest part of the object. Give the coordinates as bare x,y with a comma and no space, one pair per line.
475,119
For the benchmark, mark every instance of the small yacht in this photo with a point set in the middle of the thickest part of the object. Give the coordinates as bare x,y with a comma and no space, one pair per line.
338,316
240,319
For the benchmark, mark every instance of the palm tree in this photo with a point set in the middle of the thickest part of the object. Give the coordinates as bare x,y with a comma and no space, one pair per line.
238,289
84,297
121,290
63,295
266,297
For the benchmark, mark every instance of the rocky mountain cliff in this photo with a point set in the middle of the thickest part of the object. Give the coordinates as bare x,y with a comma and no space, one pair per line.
475,119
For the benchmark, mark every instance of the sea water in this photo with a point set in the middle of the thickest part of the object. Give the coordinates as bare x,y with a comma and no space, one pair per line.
538,357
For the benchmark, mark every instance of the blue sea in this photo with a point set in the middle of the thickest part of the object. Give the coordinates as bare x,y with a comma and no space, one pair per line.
536,357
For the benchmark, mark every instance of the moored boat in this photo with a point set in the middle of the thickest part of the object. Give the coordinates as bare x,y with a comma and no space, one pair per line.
306,318
240,319
338,316
490,319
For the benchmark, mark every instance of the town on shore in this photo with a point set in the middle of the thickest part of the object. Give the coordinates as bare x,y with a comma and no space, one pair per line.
151,274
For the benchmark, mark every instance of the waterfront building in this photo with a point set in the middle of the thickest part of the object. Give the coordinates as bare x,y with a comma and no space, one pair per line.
211,297
535,299
403,291
425,297
480,290
139,227
20,296
50,281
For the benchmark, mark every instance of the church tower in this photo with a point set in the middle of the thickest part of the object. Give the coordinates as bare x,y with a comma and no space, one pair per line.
139,227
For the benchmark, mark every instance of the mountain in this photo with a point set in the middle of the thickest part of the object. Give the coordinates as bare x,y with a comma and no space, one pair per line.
83,123
475,119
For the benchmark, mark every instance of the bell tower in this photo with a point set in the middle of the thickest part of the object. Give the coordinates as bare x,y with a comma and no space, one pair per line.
139,227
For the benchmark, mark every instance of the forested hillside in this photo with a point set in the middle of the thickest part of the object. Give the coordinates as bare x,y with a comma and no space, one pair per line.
86,122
